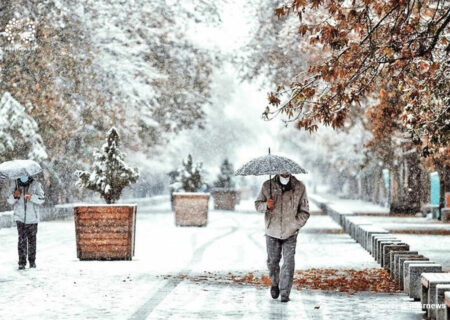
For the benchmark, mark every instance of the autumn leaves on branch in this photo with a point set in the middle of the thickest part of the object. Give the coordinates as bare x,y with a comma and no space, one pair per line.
393,52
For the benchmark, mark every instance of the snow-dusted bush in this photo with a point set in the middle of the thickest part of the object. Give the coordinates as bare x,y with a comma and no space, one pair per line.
111,174
189,177
225,177
19,137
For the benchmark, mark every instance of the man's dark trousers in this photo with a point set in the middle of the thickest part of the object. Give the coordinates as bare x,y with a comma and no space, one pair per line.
27,242
276,247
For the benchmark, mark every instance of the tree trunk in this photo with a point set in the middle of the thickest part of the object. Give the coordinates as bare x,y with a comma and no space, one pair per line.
444,183
407,187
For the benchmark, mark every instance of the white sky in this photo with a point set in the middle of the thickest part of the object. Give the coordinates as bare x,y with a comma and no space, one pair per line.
231,34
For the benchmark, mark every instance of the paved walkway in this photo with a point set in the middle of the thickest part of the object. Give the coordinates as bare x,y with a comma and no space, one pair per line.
429,237
64,288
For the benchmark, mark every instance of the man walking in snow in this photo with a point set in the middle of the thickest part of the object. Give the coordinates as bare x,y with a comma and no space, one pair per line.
284,202
25,197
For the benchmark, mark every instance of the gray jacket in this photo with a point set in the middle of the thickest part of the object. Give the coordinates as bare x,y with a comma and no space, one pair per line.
27,211
291,208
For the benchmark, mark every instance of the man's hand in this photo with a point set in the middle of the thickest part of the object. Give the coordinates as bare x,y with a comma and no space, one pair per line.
28,196
270,204
17,194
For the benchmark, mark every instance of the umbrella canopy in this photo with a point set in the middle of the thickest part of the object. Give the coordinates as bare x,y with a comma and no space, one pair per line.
15,169
269,164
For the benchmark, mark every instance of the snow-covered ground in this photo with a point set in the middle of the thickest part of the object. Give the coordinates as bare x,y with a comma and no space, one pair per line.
350,205
62,287
248,206
429,237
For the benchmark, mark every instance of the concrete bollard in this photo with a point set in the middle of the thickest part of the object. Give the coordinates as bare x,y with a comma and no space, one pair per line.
355,227
394,255
440,300
376,242
404,283
366,235
375,237
343,216
347,223
429,281
414,277
334,214
387,249
447,304
398,268
363,232
380,245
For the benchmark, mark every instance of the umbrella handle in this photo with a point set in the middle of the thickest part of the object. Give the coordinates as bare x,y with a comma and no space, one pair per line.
270,181
270,185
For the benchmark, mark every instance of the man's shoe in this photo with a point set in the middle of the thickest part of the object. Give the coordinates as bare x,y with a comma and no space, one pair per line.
284,298
21,266
32,264
274,291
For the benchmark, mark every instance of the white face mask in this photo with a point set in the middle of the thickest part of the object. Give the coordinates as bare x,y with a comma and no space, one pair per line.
284,180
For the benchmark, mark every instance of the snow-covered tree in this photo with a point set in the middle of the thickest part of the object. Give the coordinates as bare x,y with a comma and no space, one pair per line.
189,177
19,134
273,51
225,178
54,72
155,79
129,64
111,174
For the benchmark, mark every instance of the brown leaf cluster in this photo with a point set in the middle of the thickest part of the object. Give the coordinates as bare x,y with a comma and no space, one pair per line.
395,52
346,280
342,280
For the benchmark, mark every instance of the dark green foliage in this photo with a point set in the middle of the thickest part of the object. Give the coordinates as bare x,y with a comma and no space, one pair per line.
190,176
225,178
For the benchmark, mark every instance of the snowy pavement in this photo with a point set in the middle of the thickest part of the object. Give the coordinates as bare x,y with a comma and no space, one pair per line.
62,287
349,205
429,237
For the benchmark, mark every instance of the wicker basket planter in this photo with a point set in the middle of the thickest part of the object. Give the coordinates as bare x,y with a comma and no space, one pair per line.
191,208
105,232
224,199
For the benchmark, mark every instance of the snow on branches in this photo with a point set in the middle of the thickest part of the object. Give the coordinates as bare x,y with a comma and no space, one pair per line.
110,173
156,80
19,136
189,177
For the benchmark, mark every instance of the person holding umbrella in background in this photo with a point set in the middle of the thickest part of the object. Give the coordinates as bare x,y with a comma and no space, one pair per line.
25,196
284,202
